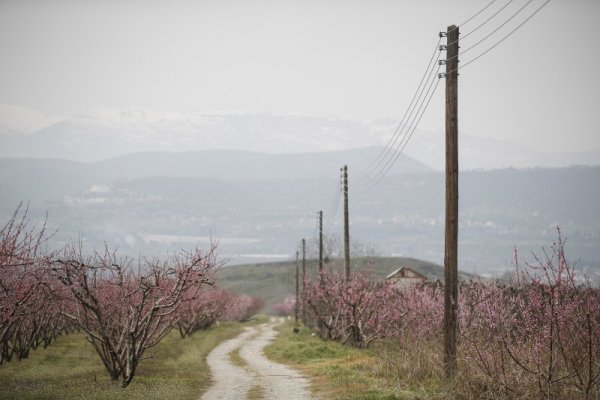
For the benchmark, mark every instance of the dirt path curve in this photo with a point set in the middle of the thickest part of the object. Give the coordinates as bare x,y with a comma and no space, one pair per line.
232,382
229,381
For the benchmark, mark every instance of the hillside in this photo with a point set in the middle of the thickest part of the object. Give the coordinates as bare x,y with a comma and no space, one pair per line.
274,281
72,176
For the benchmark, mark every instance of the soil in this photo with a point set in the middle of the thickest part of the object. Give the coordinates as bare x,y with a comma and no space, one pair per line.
233,382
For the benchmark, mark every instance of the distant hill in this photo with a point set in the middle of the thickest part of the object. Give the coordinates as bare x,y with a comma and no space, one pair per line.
274,281
245,165
73,176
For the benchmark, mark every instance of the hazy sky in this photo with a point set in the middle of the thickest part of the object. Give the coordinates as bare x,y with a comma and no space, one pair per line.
352,59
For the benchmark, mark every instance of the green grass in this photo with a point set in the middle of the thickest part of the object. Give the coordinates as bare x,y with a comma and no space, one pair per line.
271,282
236,359
70,369
342,372
274,281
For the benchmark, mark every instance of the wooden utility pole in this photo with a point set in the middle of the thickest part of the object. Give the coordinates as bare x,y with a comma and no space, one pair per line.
303,280
296,306
346,224
320,242
451,234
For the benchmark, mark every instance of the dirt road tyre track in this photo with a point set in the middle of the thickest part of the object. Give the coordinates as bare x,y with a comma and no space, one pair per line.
234,382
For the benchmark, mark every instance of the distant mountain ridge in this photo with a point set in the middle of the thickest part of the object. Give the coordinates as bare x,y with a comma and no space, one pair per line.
208,164
105,133
15,120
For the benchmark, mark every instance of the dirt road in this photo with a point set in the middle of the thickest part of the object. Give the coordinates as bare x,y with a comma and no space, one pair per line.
274,381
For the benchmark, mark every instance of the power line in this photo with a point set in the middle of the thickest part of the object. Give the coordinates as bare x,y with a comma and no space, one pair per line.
398,151
480,25
394,137
384,153
479,12
401,134
497,29
487,20
396,148
504,38
334,207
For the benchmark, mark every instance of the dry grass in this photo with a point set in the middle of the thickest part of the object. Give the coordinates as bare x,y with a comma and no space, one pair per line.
412,365
390,369
342,372
256,392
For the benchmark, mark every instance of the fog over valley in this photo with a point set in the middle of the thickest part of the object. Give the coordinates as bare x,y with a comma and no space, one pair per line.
258,205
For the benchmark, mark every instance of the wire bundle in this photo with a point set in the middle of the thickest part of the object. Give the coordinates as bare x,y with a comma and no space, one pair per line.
389,155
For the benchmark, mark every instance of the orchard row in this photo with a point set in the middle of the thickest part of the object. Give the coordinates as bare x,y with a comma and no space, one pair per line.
123,306
538,336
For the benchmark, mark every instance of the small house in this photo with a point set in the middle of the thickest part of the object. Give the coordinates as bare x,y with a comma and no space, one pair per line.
404,277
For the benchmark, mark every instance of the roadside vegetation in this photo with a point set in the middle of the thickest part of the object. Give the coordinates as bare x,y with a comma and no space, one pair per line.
273,281
534,338
337,371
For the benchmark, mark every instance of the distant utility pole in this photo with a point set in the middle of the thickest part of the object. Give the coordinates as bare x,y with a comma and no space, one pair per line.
320,242
297,286
346,224
303,280
451,233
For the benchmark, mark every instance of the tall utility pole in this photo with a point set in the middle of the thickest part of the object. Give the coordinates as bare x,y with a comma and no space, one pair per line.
297,286
451,234
346,224
320,242
303,280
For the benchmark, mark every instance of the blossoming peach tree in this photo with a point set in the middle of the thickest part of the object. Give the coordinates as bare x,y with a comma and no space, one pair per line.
125,310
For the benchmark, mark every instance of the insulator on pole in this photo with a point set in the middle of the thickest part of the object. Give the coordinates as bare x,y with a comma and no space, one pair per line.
443,47
443,34
441,75
442,62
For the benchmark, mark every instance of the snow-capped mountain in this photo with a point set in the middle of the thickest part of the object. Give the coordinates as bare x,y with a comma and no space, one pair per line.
105,133
15,120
